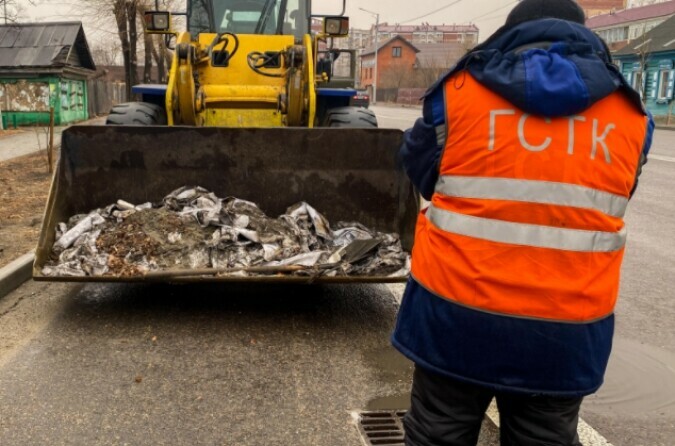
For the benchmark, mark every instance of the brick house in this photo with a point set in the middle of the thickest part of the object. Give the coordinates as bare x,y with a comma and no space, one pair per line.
396,59
597,7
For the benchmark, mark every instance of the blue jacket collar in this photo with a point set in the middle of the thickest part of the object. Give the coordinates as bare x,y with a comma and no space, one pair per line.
547,67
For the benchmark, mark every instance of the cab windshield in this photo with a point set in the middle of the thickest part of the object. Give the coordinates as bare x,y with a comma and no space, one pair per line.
270,17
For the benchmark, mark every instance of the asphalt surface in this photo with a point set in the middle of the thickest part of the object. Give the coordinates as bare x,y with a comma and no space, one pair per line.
252,365
33,139
200,365
28,141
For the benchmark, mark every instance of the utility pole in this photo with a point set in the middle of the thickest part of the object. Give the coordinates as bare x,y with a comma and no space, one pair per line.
4,3
377,49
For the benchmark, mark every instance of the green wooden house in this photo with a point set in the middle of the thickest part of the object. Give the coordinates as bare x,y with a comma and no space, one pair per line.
44,65
648,64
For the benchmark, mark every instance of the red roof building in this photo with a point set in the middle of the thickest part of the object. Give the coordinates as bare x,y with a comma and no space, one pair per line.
427,33
395,60
597,7
620,27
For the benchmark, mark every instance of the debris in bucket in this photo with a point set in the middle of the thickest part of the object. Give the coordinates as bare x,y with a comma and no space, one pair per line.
192,232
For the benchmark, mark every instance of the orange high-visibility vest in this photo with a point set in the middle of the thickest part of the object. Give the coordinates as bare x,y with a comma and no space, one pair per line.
527,215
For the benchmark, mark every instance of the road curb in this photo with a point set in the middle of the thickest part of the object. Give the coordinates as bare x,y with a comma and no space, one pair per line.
665,127
16,273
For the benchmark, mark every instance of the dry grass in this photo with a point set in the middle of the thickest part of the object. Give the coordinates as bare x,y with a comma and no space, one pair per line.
24,186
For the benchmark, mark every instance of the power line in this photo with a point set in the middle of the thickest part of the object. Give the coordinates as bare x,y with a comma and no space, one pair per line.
432,12
493,11
442,8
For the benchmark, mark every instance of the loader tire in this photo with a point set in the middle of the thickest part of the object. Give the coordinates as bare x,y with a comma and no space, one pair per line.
136,113
351,117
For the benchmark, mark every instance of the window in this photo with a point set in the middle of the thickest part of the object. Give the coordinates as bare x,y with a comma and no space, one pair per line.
397,51
248,17
637,81
615,34
666,82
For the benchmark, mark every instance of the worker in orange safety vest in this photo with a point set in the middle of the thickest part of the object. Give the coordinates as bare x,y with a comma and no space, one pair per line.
529,151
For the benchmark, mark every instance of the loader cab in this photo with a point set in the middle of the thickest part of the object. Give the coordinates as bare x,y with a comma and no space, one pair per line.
262,17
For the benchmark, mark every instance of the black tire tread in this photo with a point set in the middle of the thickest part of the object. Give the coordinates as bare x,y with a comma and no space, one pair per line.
136,113
350,117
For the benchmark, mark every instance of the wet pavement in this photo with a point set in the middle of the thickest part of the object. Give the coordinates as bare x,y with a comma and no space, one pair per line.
201,365
640,380
197,365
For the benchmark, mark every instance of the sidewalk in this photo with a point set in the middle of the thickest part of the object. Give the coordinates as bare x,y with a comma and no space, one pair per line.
26,142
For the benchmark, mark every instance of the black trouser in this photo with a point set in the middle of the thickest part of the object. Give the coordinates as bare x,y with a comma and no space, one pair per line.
448,412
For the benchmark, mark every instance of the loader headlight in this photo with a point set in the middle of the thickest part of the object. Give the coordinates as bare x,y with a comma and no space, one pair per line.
158,21
336,26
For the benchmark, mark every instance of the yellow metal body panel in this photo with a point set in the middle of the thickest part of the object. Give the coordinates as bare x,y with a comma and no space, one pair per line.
309,80
251,94
238,118
237,96
173,93
238,72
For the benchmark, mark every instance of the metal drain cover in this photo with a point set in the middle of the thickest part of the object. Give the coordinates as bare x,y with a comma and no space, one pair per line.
382,427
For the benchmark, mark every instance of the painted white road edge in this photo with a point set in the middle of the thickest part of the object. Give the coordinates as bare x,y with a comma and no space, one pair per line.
662,158
587,435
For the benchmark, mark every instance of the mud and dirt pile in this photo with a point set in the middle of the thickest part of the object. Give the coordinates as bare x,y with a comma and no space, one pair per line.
192,231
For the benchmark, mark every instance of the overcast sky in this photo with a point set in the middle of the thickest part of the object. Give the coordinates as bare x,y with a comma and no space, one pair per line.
488,15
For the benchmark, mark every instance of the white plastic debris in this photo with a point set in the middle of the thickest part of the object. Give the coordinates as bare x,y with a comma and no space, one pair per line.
85,225
203,231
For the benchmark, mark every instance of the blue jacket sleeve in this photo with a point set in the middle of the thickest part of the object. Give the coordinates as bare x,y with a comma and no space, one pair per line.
649,138
421,152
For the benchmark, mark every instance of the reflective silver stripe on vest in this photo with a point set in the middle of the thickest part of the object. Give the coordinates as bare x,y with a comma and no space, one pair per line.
441,135
526,234
530,191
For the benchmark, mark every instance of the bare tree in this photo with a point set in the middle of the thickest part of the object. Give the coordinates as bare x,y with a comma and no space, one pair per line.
11,10
162,58
148,43
107,53
430,66
124,19
430,69
644,54
394,77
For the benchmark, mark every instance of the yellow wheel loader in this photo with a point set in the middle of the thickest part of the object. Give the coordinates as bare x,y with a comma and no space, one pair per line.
257,106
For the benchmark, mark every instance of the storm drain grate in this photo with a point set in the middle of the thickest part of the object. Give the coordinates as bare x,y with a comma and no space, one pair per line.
382,427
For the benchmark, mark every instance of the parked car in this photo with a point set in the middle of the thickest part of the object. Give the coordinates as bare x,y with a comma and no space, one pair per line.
361,99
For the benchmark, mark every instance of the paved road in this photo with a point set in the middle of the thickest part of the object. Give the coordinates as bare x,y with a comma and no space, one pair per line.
28,141
636,406
33,139
195,365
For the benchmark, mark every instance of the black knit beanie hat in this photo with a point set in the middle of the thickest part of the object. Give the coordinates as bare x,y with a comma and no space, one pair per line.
539,9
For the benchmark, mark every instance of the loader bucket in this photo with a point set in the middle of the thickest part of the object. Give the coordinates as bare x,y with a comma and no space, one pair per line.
346,174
